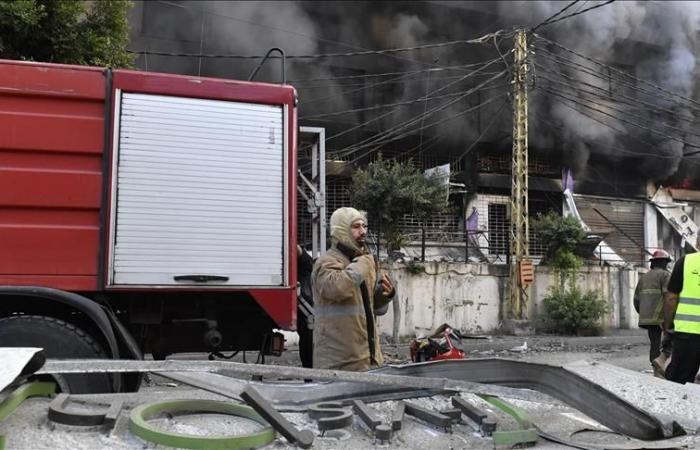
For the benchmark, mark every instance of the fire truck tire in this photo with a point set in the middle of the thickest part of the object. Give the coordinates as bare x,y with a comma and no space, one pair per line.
59,339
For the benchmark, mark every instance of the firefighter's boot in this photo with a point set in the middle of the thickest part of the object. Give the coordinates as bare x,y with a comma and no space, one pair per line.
659,364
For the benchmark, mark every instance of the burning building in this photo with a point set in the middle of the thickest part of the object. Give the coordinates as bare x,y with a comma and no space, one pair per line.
611,101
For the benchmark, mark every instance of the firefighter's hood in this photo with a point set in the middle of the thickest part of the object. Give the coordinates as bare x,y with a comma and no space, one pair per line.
341,222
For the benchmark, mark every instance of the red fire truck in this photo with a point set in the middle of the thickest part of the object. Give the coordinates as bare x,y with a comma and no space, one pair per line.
144,213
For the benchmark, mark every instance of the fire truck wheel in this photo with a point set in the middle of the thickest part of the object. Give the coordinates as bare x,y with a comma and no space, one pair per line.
59,339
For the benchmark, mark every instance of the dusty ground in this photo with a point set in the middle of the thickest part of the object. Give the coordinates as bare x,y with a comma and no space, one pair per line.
624,348
29,427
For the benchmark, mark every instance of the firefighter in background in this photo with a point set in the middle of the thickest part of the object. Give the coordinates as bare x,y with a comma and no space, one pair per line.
648,302
347,291
682,317
305,303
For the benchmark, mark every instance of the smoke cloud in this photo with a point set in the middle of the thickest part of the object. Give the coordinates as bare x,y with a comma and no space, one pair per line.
654,41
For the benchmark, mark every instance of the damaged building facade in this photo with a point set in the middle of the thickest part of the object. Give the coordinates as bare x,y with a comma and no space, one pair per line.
605,146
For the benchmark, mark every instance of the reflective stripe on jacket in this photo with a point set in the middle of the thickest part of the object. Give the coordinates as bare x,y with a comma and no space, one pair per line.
687,318
648,296
341,336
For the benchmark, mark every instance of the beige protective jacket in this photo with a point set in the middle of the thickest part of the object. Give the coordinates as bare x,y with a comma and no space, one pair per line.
649,297
345,334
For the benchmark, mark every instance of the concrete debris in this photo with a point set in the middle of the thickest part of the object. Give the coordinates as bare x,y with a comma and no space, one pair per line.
17,361
555,423
331,416
520,348
303,438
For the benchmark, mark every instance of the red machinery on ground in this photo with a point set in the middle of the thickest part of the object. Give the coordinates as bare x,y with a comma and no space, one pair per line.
438,346
144,212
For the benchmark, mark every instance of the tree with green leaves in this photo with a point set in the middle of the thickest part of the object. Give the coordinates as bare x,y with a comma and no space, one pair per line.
388,189
66,31
562,235
568,309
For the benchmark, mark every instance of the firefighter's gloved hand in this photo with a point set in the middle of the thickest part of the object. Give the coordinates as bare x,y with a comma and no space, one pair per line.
363,265
386,286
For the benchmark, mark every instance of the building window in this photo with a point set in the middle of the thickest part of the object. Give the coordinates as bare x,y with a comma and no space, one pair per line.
498,229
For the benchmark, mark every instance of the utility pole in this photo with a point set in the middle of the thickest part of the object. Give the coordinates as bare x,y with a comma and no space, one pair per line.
520,264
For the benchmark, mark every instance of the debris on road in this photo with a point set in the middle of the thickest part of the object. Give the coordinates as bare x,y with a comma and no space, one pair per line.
450,407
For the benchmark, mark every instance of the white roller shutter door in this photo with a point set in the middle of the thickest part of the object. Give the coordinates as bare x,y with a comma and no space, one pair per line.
199,193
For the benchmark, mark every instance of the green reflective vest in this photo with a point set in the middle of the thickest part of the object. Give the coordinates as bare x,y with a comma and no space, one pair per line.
687,318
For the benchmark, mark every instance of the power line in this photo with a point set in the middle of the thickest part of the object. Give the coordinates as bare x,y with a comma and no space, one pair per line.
606,77
553,16
605,113
370,75
619,72
377,138
388,105
564,96
577,66
483,132
620,150
331,85
314,56
388,138
627,113
352,91
630,101
428,145
329,41
454,116
576,13
578,8
622,132
343,93
435,91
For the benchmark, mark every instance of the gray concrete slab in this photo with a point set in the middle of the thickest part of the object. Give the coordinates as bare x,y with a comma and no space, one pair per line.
656,395
29,427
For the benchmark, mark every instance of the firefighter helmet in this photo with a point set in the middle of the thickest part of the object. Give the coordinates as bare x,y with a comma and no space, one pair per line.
660,254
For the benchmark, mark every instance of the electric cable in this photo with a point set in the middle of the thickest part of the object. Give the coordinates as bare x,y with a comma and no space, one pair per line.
608,78
306,167
619,72
553,16
401,136
375,145
352,91
576,13
558,26
483,132
631,101
627,113
328,41
622,132
375,139
331,85
564,96
429,143
313,56
620,150
389,105
472,73
369,75
435,91
442,88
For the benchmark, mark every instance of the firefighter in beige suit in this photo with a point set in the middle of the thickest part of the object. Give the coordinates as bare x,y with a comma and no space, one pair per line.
347,293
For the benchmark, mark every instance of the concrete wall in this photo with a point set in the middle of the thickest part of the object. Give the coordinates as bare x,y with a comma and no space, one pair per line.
471,297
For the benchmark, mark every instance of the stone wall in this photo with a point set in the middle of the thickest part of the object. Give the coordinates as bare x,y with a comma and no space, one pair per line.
472,297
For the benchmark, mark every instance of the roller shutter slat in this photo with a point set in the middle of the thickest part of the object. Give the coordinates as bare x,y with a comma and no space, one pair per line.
200,190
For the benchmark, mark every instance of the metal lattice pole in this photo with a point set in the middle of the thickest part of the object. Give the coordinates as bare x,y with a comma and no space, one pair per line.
519,229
